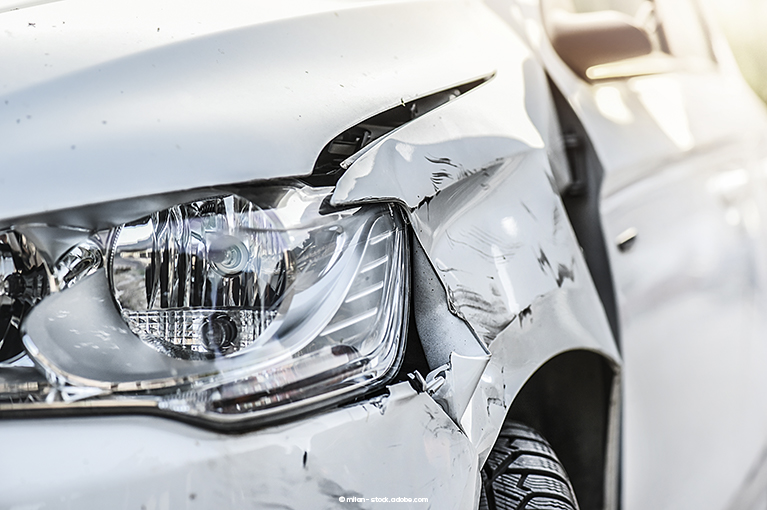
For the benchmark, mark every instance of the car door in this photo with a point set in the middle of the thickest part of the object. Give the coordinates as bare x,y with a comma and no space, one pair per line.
677,134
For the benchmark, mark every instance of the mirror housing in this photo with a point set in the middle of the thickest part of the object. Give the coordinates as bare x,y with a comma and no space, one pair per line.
585,40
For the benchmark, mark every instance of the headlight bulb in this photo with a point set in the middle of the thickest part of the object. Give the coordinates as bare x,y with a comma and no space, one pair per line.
228,254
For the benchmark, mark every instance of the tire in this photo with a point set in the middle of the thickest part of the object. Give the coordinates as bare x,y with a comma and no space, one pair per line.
523,472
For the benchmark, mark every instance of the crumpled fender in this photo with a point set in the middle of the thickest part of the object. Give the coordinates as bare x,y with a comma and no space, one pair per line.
476,180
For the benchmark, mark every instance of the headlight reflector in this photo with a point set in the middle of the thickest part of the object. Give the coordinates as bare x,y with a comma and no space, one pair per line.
202,279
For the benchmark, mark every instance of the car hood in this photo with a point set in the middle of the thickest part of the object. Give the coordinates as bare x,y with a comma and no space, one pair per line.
103,101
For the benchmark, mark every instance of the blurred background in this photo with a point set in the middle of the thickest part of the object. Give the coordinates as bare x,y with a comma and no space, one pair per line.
744,23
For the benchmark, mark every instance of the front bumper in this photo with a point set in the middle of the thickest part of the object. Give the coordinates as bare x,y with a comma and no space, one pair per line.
400,445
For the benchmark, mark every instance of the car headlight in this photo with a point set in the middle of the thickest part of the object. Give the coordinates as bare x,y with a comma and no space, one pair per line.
227,309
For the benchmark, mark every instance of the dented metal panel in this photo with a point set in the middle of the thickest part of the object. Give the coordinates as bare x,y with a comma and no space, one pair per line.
480,129
453,351
520,280
567,319
496,247
498,236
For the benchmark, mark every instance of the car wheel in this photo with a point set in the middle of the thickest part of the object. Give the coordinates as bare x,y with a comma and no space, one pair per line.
523,472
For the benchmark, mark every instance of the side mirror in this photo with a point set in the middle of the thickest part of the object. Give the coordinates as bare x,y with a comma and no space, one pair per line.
585,40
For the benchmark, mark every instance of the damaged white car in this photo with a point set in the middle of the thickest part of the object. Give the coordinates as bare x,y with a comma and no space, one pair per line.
362,254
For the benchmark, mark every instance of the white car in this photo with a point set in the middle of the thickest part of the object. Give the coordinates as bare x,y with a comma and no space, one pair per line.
368,254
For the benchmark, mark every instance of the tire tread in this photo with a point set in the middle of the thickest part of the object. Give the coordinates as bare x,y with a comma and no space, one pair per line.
522,472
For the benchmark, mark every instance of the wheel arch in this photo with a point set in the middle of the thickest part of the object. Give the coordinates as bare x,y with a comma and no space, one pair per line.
573,401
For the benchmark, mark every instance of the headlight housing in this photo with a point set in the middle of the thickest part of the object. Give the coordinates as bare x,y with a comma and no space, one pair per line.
23,282
228,309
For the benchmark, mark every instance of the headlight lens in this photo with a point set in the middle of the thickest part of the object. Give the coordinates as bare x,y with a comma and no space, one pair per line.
228,308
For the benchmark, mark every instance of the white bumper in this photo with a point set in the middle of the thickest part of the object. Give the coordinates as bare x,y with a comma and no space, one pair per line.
398,446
